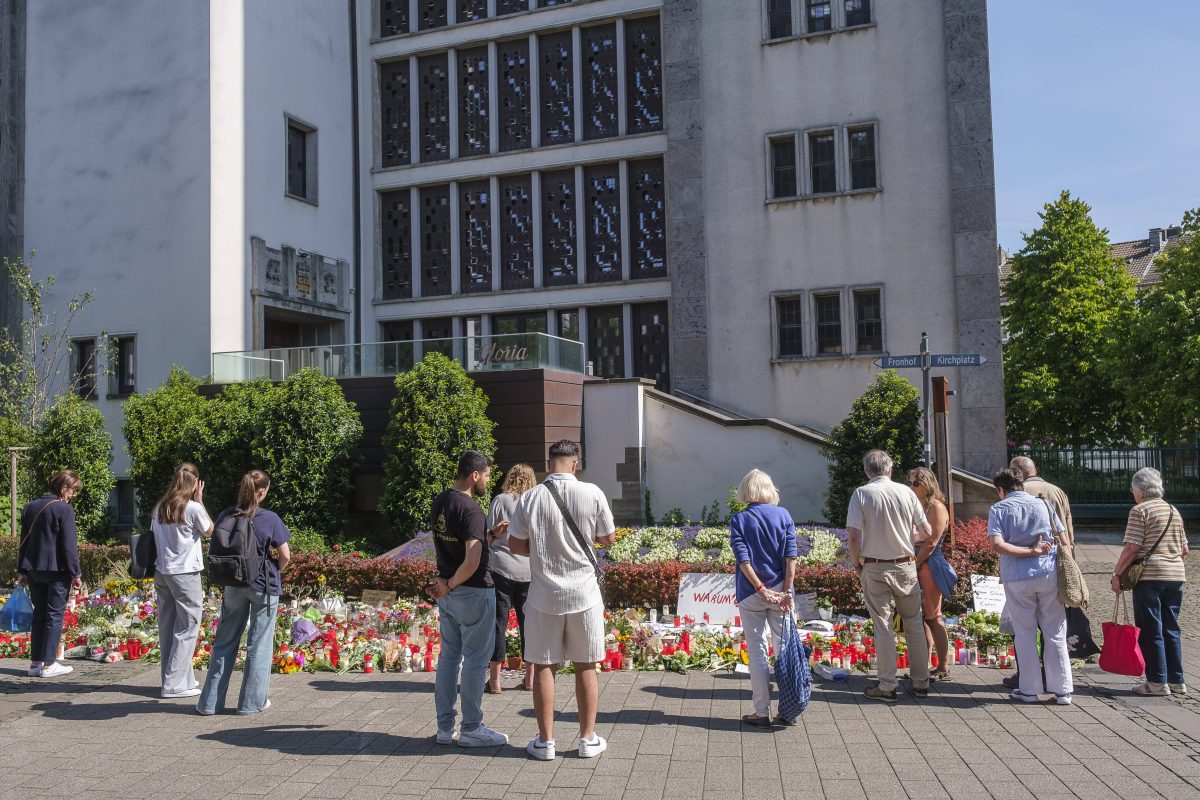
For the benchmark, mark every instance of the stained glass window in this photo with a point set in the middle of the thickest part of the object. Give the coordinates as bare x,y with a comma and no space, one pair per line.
435,108
557,83
470,10
603,186
559,256
651,344
513,105
473,125
600,82
394,110
647,219
475,236
395,222
516,233
606,341
435,241
431,14
393,17
643,75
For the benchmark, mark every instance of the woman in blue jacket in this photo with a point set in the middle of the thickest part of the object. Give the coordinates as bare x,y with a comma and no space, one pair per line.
763,538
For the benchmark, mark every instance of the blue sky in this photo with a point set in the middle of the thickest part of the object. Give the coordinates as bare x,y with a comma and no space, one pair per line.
1099,97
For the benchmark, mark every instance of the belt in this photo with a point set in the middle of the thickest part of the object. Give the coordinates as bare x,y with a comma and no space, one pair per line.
903,560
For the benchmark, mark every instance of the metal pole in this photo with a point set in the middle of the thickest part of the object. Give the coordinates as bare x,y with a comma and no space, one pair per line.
926,363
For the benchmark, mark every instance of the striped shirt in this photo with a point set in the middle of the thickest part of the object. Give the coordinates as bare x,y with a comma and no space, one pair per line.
1146,523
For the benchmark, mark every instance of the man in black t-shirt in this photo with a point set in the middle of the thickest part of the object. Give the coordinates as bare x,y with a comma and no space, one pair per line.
467,604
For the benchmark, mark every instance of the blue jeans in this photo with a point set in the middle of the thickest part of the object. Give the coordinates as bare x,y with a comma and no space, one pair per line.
1156,613
48,591
468,632
241,606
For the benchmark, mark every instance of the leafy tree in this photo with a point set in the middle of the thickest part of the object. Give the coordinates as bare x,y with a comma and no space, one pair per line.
71,435
1067,305
1161,363
438,412
885,417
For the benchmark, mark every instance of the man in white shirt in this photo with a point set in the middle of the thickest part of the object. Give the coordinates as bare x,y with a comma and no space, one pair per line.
880,522
564,612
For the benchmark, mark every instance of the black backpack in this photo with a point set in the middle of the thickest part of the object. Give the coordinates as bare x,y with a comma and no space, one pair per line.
233,555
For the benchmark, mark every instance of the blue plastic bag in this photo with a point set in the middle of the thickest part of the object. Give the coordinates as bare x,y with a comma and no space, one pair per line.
17,614
791,671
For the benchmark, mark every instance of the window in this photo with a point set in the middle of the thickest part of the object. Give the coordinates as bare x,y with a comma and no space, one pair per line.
475,237
789,319
822,162
513,104
437,333
647,219
516,233
858,12
783,167
557,80
470,11
83,367
868,321
473,123
559,228
600,56
395,138
862,158
395,224
301,161
122,381
606,341
651,347
435,241
519,323
820,15
124,502
434,99
393,17
567,323
643,75
603,218
829,323
779,19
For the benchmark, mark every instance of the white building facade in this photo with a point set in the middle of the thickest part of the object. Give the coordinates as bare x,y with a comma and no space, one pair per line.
747,202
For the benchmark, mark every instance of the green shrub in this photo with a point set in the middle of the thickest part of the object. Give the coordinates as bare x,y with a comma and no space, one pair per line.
306,540
438,412
675,518
71,435
302,432
886,416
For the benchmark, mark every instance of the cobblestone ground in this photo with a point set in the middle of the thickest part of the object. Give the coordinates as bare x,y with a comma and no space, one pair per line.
102,732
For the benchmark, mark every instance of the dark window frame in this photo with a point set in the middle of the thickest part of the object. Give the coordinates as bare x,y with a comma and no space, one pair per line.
826,19
123,349
825,327
853,163
810,140
865,8
774,24
794,327
297,131
856,293
775,144
83,371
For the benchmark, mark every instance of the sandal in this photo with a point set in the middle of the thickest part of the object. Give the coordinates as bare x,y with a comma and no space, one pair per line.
487,687
757,721
940,675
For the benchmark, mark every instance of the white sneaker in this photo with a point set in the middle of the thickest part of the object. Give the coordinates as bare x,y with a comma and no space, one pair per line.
483,736
54,669
1017,694
445,737
542,751
248,713
1177,688
1062,699
184,693
592,748
35,669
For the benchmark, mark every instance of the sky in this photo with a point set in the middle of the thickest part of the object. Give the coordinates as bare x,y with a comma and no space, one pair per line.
1101,98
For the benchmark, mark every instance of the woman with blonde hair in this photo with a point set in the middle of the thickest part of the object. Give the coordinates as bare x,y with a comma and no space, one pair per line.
763,537
254,605
178,522
934,573
510,572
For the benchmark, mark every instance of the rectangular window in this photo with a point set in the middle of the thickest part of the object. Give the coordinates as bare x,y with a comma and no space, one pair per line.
822,162
394,114
439,330
516,233
396,354
123,381
868,321
567,323
511,6
557,81
858,12
393,17
475,237
395,223
434,98
862,158
431,14
124,502
435,241
789,317
519,323
783,167
603,234
779,19
473,123
651,347
600,82
647,219
643,75
606,341
470,10
513,105
83,367
559,250
820,15
829,323
301,161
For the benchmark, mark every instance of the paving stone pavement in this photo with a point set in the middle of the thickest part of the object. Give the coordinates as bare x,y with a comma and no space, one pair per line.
103,732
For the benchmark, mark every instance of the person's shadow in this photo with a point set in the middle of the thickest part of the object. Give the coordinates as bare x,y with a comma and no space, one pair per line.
407,687
306,740
66,710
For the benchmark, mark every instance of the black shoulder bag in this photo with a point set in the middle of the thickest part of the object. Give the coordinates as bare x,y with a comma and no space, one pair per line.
580,539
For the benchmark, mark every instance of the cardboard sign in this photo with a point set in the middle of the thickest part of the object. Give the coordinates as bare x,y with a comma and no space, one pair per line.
703,593
806,607
989,594
378,598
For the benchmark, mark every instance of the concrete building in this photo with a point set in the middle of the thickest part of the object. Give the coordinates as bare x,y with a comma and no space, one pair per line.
746,202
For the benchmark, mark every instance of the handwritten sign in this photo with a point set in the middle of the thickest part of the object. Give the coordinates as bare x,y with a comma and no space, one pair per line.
378,598
703,593
806,607
989,594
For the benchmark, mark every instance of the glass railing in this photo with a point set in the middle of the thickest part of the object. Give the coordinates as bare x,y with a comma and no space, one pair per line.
507,351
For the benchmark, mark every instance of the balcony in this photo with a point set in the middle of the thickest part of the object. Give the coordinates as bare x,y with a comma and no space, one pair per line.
497,353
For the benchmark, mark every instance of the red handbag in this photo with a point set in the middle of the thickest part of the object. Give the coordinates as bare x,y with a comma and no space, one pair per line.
1120,653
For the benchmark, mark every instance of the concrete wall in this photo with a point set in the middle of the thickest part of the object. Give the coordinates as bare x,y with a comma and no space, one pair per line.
12,149
117,175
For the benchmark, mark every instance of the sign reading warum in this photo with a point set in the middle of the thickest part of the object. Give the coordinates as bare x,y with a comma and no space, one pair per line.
711,593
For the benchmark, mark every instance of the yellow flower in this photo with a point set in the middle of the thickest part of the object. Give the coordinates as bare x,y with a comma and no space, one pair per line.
320,579
745,657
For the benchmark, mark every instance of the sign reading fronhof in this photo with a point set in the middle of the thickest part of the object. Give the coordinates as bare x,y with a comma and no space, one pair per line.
711,593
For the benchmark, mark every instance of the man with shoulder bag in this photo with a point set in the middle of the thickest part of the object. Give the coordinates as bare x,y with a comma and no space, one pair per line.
558,524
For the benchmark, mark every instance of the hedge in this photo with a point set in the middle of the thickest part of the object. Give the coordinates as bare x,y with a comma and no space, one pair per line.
96,561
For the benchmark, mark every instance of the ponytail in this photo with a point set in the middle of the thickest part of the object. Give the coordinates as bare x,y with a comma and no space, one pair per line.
248,489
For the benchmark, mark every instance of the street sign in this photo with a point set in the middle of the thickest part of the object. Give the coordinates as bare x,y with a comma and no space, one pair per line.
939,360
899,362
958,360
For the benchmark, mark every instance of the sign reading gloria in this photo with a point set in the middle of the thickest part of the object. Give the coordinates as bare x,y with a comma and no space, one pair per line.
711,593
494,353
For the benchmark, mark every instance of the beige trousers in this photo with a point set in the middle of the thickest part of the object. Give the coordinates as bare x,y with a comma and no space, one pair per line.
888,588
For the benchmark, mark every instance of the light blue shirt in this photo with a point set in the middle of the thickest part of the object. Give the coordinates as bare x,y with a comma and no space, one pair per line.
1023,520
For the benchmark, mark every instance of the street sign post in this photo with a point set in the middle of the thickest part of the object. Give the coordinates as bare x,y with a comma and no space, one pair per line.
925,361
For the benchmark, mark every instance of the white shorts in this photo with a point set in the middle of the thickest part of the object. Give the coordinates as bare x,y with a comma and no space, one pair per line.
559,638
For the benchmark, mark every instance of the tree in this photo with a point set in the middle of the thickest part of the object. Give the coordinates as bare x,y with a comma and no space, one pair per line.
438,412
1161,354
1067,305
885,417
71,435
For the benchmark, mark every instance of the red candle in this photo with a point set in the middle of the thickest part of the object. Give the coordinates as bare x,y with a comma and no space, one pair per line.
933,659
676,621
685,642
368,663
737,621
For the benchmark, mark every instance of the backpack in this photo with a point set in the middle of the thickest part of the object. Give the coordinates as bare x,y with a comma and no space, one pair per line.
233,555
